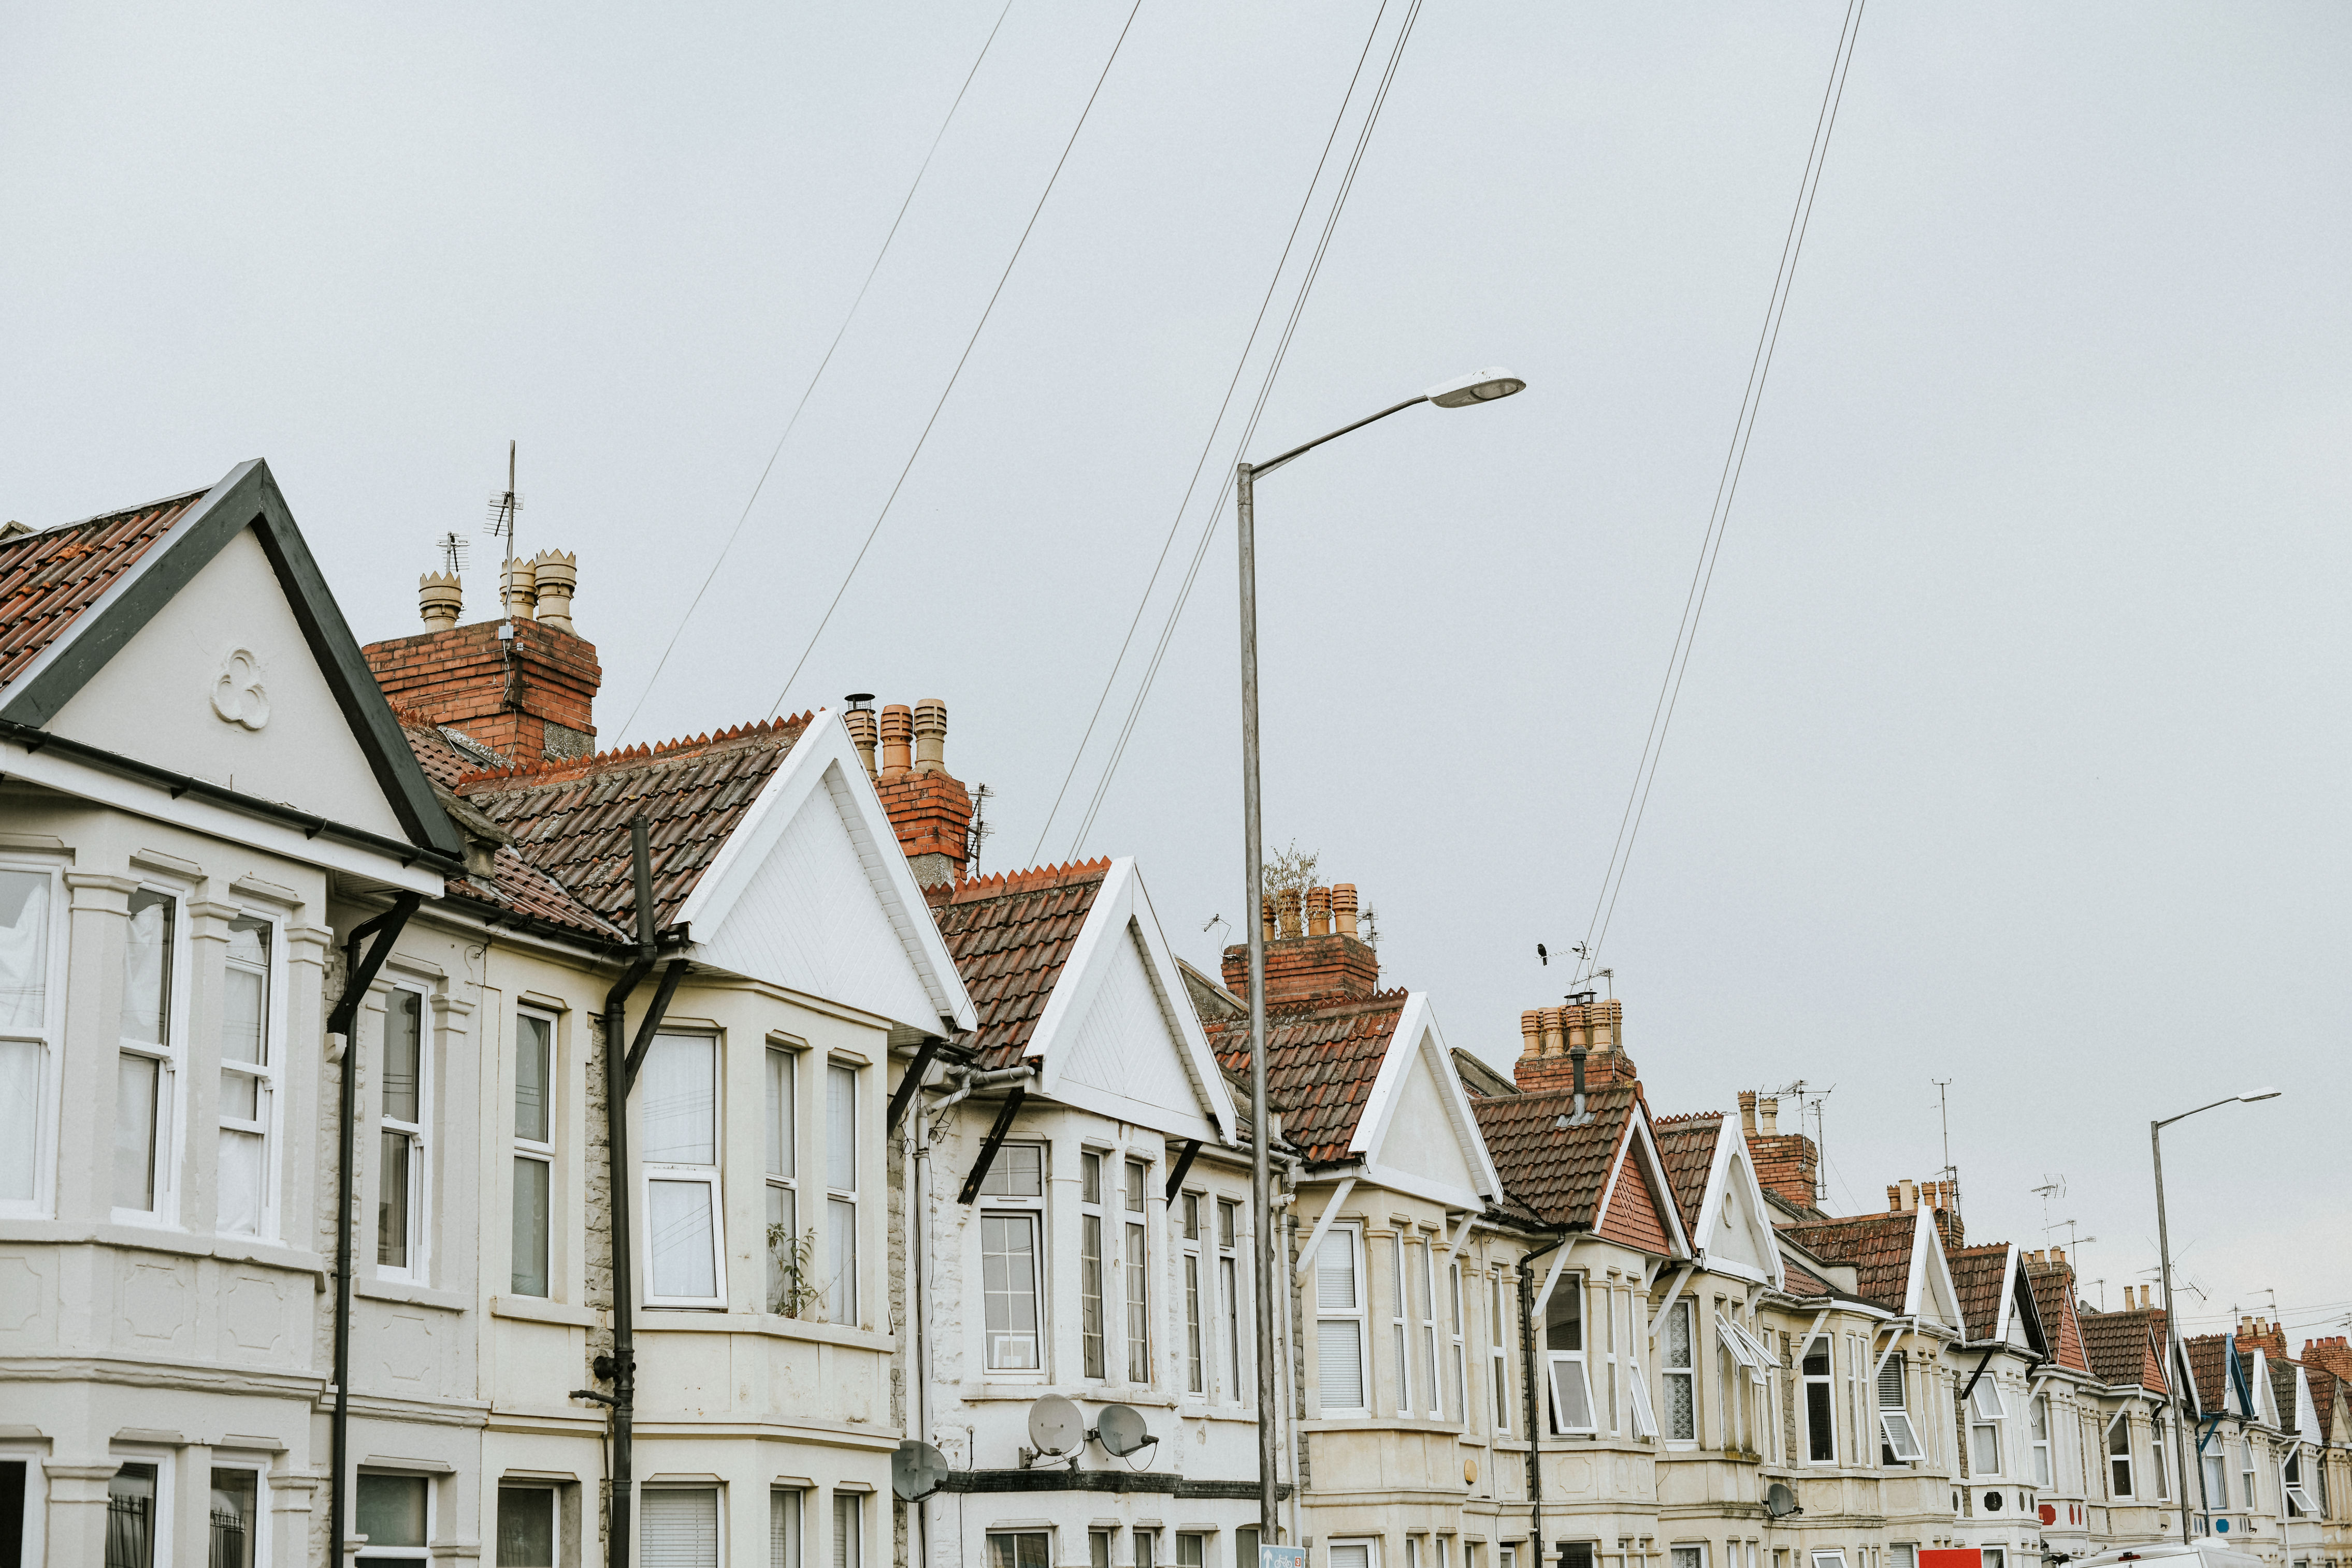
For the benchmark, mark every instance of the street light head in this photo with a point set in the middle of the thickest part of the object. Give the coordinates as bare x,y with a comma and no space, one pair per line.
2250,1095
1479,386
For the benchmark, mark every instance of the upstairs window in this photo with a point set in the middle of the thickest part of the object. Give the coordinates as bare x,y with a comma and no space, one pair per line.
792,1287
1564,1358
2119,1456
405,1138
1498,1349
1821,1403
1461,1389
1229,1288
677,1106
147,1070
534,1155
1679,1367
1985,1417
29,1073
1136,1280
1012,1227
1399,1321
1339,1322
2160,1458
841,1159
1419,1280
2038,1435
2216,1477
248,1088
1091,1220
2298,1501
1899,1441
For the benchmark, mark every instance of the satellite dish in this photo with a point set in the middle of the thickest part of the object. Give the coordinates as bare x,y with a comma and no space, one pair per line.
1781,1502
1121,1430
1056,1425
916,1470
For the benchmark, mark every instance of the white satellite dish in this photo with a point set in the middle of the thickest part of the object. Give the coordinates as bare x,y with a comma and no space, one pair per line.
1055,1427
916,1470
1121,1430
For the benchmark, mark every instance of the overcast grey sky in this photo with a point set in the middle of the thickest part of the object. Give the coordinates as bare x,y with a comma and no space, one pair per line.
2012,751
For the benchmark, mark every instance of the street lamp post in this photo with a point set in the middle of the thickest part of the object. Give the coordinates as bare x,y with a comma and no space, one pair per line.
1464,391
2174,1366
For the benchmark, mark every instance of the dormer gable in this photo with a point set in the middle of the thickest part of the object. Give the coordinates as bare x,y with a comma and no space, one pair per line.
1418,1133
1732,1234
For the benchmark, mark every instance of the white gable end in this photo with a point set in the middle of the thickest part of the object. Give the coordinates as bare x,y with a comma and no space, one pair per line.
1734,1237
809,916
178,694
1421,1138
1124,1060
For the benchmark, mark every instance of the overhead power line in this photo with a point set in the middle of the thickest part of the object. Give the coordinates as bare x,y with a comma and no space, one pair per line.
1727,489
962,360
815,376
1265,390
1200,464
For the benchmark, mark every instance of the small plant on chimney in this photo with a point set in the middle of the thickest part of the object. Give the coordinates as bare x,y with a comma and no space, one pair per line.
1290,868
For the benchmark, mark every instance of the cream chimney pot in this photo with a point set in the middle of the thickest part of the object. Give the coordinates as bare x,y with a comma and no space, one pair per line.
930,735
523,590
1767,1112
439,599
1318,911
1554,1028
1343,907
554,575
1532,1033
859,722
897,737
1748,1112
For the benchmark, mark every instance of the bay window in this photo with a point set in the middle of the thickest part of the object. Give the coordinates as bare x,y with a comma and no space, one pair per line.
1679,1366
2119,1456
403,1137
2160,1458
677,1108
1498,1349
2298,1500
2246,1475
29,1073
248,1085
841,1149
1461,1389
534,1155
1012,1225
2038,1434
147,1068
1229,1285
1339,1322
1985,1414
784,1527
1196,1379
1899,1441
1398,1334
848,1532
2216,1476
1418,1269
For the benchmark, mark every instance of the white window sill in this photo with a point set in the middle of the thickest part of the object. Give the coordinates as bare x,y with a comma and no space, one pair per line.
408,1293
541,1310
679,1319
160,1238
1091,1392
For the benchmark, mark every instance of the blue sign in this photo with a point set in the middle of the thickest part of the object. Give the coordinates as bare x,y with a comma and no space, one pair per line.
1282,1557
2222,1525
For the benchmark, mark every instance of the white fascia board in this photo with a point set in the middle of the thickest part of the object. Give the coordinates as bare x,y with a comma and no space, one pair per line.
1122,904
1930,1273
1416,1185
1710,1199
1731,1268
1416,1031
823,759
1727,1148
2005,1323
2306,1411
96,608
55,771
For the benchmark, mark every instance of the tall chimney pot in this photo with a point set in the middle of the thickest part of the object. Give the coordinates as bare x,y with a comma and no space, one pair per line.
439,599
1554,1031
523,590
1285,910
1343,907
859,722
930,735
1910,1194
1748,1112
554,575
1767,1112
897,740
1532,1033
1318,911
1265,918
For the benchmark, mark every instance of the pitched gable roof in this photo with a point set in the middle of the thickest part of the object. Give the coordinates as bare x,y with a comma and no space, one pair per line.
2126,1349
2053,1296
72,599
571,818
1011,933
1686,1146
1417,1132
1978,1274
1607,1176
1721,1204
1879,1247
1322,1060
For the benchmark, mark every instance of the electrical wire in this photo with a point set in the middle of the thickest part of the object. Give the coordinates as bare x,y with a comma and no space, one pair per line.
816,376
962,360
1735,462
1200,462
1265,390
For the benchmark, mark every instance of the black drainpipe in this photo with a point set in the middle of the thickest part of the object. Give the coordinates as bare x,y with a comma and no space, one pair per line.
359,974
1528,1371
621,1065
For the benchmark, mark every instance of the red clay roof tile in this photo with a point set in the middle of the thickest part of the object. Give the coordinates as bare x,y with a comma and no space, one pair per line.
1011,933
1321,1060
1558,1172
49,577
1877,1247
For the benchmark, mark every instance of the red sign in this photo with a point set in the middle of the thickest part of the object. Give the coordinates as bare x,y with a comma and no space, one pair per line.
1950,1557
2049,1514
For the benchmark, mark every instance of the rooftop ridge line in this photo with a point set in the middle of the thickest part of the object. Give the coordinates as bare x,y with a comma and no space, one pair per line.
550,770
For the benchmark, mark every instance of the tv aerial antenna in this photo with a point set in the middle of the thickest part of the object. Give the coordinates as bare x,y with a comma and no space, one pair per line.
977,834
2052,1186
504,505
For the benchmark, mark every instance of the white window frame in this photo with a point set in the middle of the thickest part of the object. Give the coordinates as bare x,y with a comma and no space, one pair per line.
1987,1413
1400,1331
1196,1347
525,1150
2297,1501
844,1212
1420,1279
2213,1466
995,1199
1498,1353
419,1132
36,1500
1135,1270
1696,1558
1897,1434
166,1155
1806,1382
266,1073
719,1512
853,1503
1456,1330
1096,1268
2161,1455
2247,1468
683,1174
1231,1283
38,1130
2041,1450
780,1166
1579,1358
553,1490
2119,1426
989,1537
1684,1314
432,1518
167,1498
1357,1314
1369,1544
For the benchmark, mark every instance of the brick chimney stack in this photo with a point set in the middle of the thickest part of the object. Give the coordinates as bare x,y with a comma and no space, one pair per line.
523,684
928,806
1598,1026
1307,959
2331,1355
1787,1164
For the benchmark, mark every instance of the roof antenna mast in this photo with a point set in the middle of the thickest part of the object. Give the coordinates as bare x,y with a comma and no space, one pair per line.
501,526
